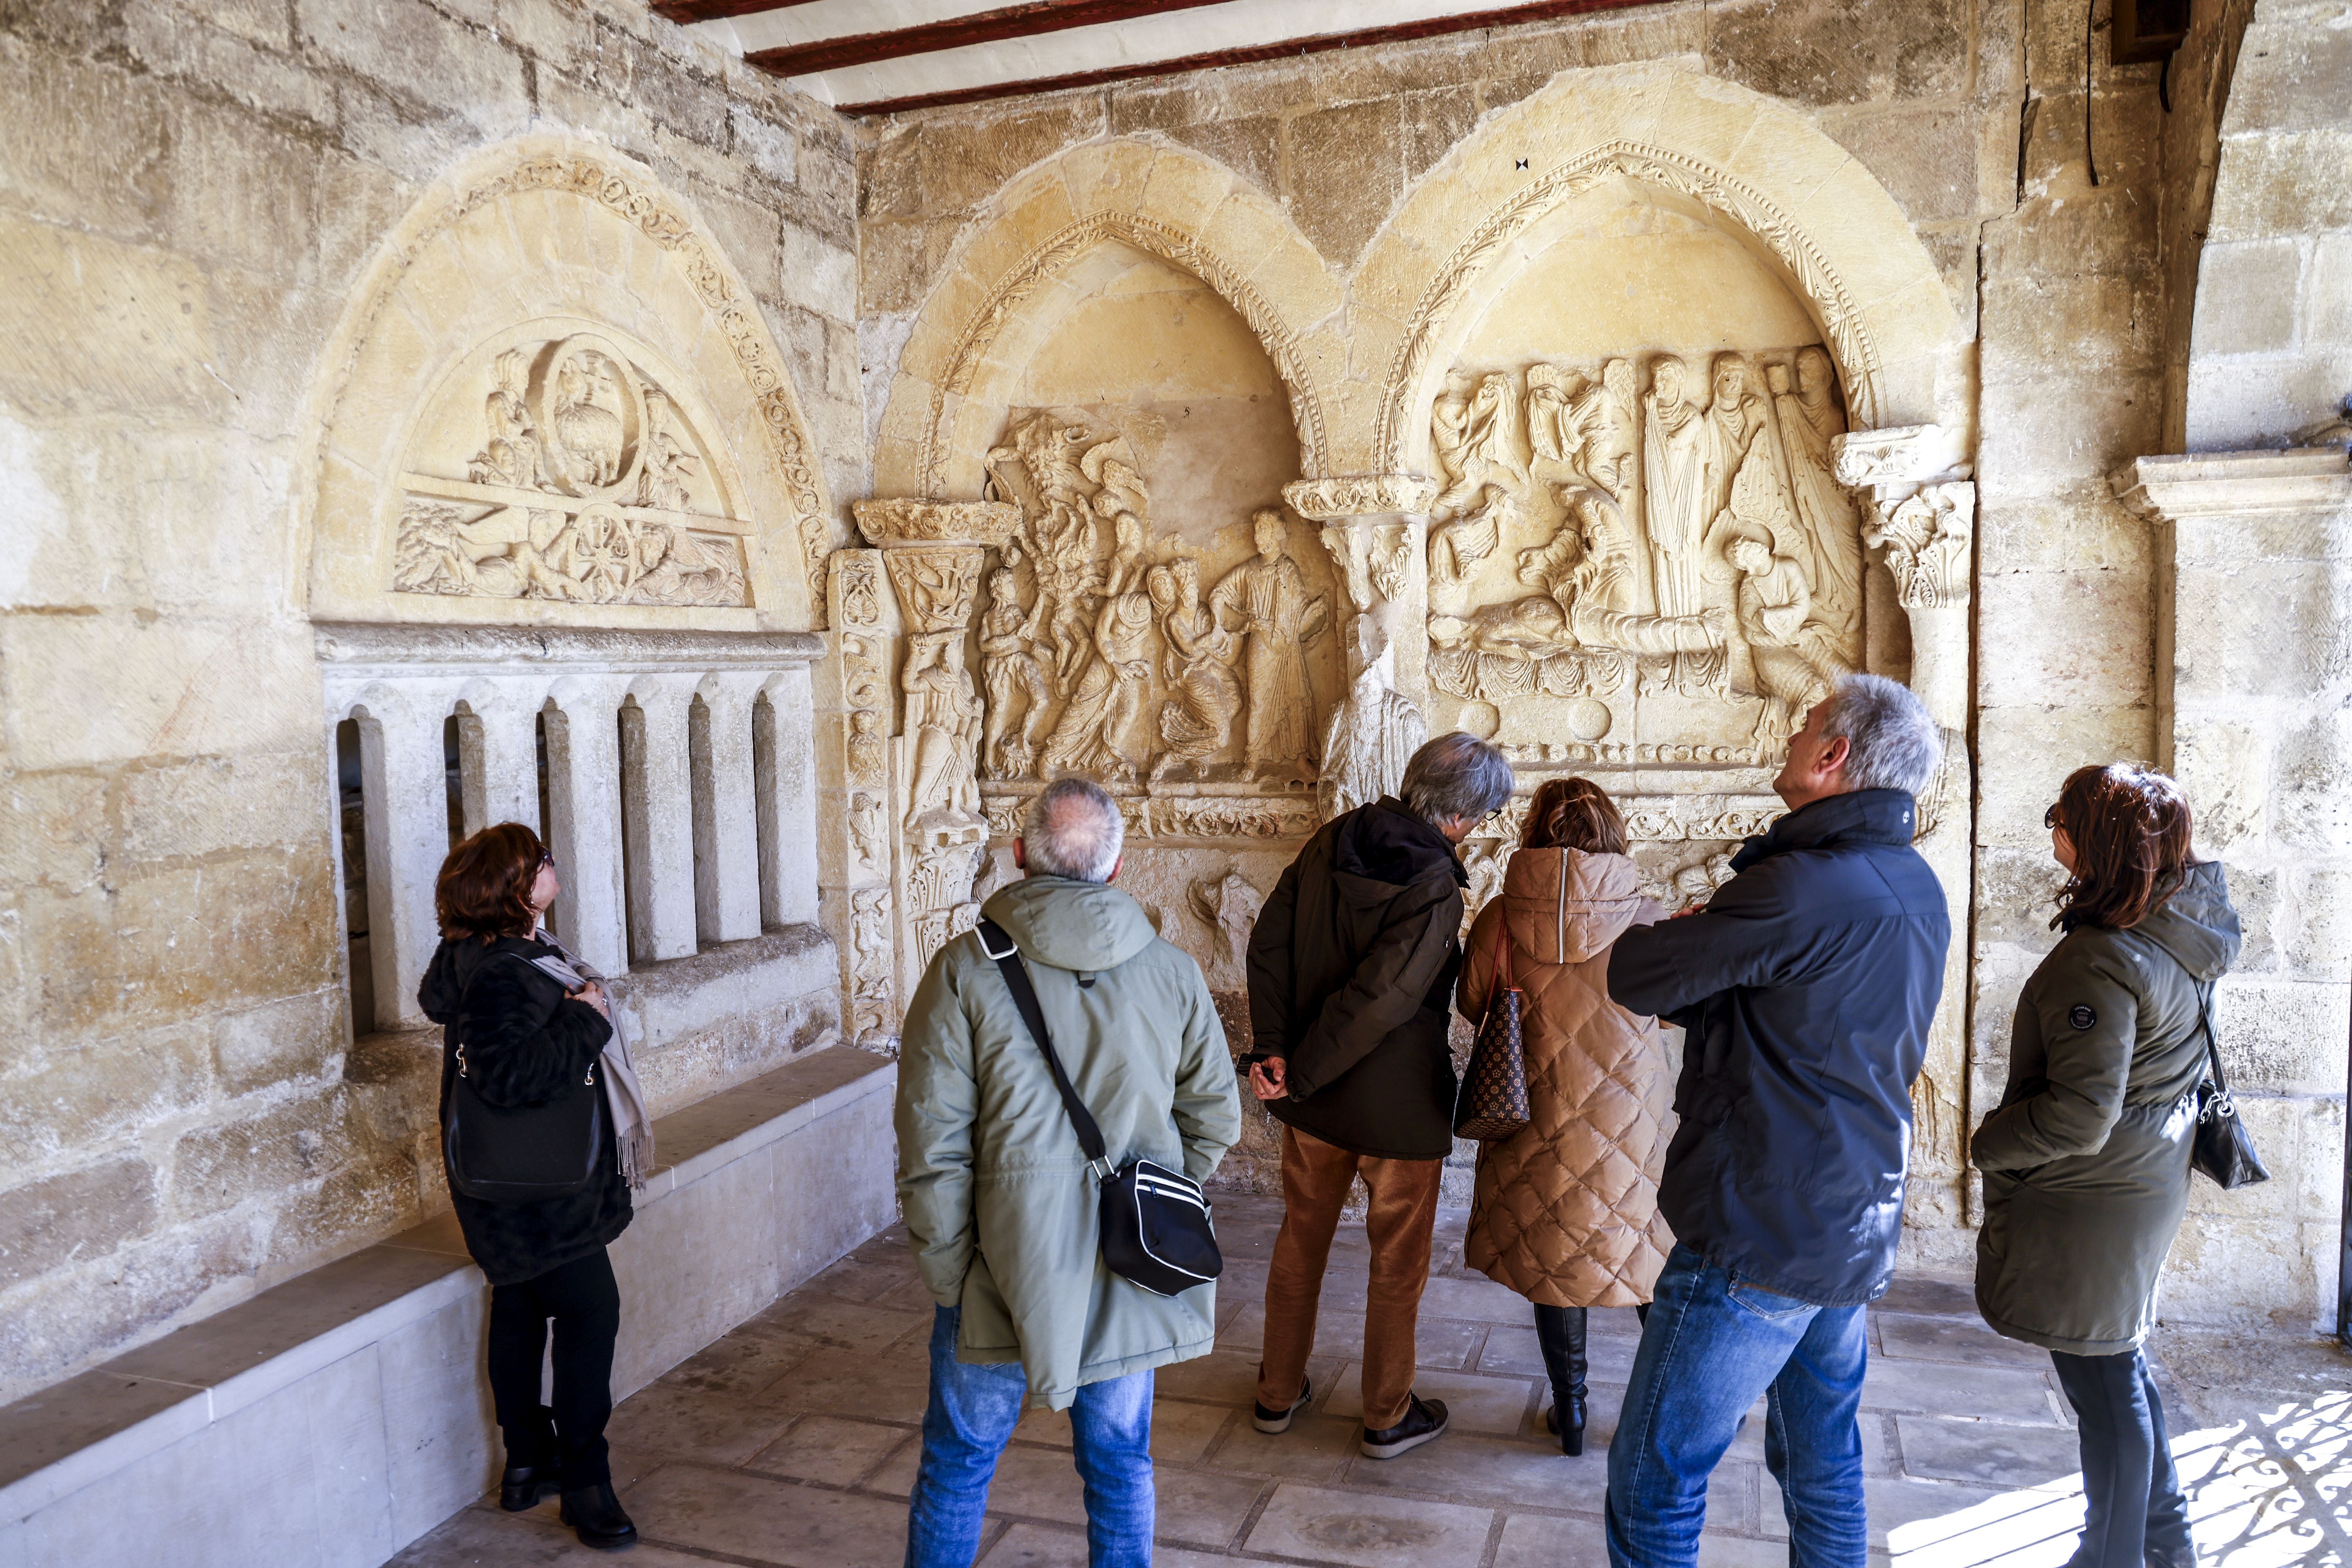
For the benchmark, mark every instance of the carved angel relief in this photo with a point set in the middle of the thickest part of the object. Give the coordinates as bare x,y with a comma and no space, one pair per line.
588,486
1103,651
1658,544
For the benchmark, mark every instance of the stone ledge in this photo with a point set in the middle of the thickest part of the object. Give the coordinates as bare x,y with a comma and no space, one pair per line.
497,650
2300,478
101,1424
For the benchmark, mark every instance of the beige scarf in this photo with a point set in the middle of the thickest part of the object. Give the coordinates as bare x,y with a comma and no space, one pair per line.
633,1130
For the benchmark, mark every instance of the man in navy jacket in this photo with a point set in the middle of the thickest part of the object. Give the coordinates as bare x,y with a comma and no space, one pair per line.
1805,989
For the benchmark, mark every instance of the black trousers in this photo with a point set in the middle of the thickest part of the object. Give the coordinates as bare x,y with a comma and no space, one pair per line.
2133,1505
585,1304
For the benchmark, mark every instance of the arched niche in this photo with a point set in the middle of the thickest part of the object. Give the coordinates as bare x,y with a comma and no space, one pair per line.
1759,174
553,401
975,333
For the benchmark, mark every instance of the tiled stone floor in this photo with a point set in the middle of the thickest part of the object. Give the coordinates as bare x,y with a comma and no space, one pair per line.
792,1441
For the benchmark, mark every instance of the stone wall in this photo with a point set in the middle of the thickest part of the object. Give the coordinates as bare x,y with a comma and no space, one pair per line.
191,197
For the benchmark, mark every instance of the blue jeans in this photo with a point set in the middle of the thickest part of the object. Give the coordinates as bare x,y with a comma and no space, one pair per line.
970,1419
1711,1345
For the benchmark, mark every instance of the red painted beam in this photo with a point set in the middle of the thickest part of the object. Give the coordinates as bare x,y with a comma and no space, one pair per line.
1435,26
1023,21
687,11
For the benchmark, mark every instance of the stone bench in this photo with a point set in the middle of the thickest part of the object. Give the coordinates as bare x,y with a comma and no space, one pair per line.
335,1417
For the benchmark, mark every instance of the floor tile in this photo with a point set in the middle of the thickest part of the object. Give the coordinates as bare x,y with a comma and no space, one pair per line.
850,1325
1437,1342
2002,1393
686,1424
1313,1449
1897,1505
766,1521
1989,1453
1042,1546
741,1364
831,1451
1538,1541
1203,1509
1609,1357
534,1540
1493,1471
1909,1335
883,1388
1322,1525
1482,1301
1473,1403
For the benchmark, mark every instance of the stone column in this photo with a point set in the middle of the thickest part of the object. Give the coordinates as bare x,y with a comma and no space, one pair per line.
933,553
404,786
657,820
1376,529
2255,559
726,821
500,779
583,809
1922,511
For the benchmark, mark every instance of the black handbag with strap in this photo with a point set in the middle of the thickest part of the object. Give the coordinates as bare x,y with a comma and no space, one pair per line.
1156,1230
522,1153
2220,1147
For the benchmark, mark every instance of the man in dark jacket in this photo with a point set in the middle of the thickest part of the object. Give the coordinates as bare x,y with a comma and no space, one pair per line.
1352,969
1805,989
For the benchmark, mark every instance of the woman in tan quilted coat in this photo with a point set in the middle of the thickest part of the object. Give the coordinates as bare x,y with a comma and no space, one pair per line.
1566,1210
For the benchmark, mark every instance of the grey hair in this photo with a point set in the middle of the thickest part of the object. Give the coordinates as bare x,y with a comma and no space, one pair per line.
1892,741
1455,775
1074,830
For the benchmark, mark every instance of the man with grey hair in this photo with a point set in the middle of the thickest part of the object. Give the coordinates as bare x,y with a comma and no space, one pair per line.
1352,975
1000,1203
1805,988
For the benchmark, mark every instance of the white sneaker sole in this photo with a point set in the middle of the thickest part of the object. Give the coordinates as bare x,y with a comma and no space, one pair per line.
1372,1450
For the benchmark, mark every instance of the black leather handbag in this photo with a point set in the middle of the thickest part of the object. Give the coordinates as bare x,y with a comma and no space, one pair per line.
522,1153
2221,1146
1156,1231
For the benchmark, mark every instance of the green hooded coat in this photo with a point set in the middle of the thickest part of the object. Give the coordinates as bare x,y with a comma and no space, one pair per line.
999,1203
2086,1162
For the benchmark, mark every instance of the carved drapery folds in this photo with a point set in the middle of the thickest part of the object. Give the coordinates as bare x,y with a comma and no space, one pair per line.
1645,554
1374,527
580,480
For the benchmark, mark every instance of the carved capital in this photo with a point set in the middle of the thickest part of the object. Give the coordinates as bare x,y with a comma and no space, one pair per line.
1896,455
1360,495
892,523
936,584
1926,538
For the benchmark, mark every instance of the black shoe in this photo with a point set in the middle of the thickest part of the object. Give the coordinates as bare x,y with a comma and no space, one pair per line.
1572,1437
521,1486
595,1517
1424,1419
2172,1557
1272,1421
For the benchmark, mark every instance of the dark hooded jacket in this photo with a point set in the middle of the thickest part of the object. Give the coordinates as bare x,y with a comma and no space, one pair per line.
525,1041
2086,1161
1351,970
1805,989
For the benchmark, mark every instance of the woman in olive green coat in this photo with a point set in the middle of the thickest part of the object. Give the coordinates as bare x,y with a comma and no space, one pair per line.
2086,1161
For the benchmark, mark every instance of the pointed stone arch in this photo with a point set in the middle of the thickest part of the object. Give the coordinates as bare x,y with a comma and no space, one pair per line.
574,234
1168,202
1792,195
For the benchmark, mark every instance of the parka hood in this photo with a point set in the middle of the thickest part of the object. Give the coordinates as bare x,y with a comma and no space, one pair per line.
1563,906
1087,927
2197,925
1385,842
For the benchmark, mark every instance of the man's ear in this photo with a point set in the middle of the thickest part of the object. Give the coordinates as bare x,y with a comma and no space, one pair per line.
1020,855
1833,755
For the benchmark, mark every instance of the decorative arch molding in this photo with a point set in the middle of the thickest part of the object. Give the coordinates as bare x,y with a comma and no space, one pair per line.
557,229
1165,201
1858,267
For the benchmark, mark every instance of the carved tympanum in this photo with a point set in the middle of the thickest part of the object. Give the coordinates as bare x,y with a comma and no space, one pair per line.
585,483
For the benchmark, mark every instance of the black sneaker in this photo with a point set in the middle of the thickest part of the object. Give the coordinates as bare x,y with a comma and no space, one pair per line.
1424,1419
1270,1421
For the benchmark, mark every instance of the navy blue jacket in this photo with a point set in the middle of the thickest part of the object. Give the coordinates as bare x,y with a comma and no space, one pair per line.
1805,991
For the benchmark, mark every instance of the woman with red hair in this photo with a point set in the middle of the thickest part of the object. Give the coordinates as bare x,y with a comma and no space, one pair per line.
2086,1161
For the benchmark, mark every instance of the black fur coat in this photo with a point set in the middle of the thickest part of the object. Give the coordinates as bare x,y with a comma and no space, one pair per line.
524,1041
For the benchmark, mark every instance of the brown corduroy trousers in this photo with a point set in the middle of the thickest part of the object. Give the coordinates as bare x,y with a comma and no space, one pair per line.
1399,1222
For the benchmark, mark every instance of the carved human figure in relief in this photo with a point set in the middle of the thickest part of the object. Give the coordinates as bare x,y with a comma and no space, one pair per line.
1475,437
1087,736
1017,688
1810,419
510,456
1794,659
1061,537
1205,696
865,745
664,477
943,721
1374,732
1678,484
1266,600
1738,423
1584,426
1456,548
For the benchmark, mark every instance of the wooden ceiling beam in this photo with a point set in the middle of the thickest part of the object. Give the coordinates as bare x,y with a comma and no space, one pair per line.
1022,21
686,12
1435,26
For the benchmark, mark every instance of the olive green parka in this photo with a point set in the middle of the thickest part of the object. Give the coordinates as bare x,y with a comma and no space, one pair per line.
999,1203
2086,1161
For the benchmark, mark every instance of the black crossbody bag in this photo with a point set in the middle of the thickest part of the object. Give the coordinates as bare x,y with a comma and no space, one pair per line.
2220,1147
522,1153
1156,1231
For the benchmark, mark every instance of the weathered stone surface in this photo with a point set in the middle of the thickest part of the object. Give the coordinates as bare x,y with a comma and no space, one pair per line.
1347,168
79,1215
1841,51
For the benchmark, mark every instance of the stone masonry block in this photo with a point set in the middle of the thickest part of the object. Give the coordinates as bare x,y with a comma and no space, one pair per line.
2291,75
2282,1035
264,22
292,1039
769,147
2111,230
2238,404
2016,895
90,1092
960,164
887,175
168,42
2039,438
2266,629
1841,51
2225,766
1434,122
2312,807
2281,185
2246,295
1926,159
422,55
2042,324
2327,307
2256,894
287,1145
2320,932
1346,170
73,1216
98,161
98,688
667,90
2025,754
2083,528
53,830
2066,637
819,274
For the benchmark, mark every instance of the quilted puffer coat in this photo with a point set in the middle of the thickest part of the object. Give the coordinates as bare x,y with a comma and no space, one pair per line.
1566,1210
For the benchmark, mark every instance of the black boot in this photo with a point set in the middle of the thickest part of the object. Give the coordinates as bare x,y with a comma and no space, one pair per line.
595,1516
1560,1333
532,1471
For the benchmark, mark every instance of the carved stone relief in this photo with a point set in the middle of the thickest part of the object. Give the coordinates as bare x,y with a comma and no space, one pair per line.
585,483
1647,549
1228,905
